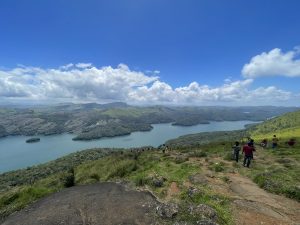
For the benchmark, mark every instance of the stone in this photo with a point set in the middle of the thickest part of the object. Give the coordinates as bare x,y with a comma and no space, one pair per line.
158,181
205,211
198,179
168,210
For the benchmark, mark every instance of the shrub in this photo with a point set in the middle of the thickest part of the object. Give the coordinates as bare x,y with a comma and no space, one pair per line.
293,192
122,168
69,180
228,156
198,153
141,180
218,167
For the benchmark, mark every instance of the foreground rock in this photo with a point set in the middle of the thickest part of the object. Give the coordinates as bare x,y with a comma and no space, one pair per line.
105,203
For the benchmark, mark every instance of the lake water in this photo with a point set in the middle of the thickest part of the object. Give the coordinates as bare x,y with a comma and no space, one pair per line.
16,154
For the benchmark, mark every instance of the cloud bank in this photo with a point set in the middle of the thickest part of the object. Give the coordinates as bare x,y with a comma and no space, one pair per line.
273,63
83,82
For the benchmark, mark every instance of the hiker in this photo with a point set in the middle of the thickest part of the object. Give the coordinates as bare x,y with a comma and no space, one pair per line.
251,143
264,143
291,142
248,150
236,151
274,141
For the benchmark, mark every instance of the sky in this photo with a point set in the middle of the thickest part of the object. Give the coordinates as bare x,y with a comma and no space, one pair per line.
174,52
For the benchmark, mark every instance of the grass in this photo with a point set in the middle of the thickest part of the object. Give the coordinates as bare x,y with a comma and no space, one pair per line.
218,202
280,174
18,197
276,171
147,166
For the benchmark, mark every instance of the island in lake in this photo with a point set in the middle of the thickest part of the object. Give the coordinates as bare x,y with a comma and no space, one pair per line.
33,140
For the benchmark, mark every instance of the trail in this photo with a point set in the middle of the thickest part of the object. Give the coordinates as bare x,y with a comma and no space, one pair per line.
251,204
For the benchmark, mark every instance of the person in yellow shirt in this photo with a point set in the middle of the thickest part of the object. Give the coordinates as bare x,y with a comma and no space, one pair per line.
274,141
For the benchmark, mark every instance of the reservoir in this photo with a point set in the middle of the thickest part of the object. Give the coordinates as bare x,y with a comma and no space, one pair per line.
15,153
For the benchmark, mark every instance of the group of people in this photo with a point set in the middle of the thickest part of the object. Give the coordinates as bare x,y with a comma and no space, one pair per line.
248,150
264,143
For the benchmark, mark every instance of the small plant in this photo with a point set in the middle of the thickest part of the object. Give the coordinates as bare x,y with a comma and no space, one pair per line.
228,156
217,167
225,179
141,180
95,176
69,180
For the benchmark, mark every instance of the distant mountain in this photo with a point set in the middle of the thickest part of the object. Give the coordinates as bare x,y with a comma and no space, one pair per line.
92,120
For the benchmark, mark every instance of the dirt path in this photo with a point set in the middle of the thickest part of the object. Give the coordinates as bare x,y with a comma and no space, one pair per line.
251,204
254,205
101,204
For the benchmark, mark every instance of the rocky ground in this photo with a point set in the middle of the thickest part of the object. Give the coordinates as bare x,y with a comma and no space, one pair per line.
106,203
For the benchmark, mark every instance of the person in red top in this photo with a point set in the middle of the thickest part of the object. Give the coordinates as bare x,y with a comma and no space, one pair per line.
248,151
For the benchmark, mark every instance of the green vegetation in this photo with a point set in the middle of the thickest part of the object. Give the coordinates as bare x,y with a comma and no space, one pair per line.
285,126
156,171
32,174
91,121
277,171
152,169
203,155
281,175
192,140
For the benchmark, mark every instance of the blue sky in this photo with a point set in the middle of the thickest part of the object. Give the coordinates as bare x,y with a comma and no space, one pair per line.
202,41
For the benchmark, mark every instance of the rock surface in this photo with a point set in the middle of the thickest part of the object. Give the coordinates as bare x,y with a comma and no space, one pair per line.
97,204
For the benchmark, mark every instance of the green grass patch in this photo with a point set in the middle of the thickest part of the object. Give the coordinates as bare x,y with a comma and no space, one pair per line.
218,202
18,198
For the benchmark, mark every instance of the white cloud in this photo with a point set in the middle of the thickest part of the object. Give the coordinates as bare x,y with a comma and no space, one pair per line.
65,67
82,65
233,93
273,63
89,83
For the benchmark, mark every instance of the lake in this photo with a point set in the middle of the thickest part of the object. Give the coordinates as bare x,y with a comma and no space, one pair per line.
16,154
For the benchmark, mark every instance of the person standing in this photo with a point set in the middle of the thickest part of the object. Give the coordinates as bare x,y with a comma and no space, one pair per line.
248,150
236,151
274,141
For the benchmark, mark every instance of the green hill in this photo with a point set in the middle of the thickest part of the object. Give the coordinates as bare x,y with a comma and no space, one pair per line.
285,126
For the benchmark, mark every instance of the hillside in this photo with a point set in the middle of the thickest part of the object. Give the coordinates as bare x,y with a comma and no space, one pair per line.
198,139
92,121
193,181
285,126
191,184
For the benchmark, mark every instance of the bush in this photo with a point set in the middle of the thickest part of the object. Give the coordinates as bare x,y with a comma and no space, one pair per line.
141,180
95,176
122,168
198,153
218,167
228,156
69,180
293,192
